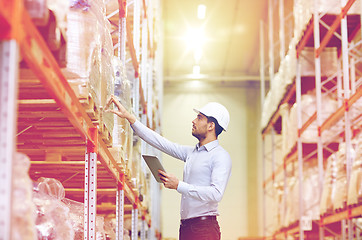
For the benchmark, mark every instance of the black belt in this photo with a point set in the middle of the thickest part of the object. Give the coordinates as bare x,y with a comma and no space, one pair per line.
197,219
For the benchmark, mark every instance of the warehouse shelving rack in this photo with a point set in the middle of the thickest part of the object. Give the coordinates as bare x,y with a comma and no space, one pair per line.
334,33
52,124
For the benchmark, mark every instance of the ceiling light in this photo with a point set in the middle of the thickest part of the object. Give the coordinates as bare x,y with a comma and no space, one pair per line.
196,70
195,38
201,11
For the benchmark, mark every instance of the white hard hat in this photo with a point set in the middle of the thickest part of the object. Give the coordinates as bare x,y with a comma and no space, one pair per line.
217,111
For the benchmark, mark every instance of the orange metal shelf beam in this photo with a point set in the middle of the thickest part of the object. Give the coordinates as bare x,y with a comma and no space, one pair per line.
334,27
352,212
308,123
305,38
334,118
41,61
346,214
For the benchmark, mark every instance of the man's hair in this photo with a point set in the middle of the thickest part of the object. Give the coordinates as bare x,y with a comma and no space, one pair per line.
218,128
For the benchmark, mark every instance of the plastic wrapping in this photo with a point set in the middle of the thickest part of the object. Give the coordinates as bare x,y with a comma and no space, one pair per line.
290,208
326,203
52,214
310,135
76,216
107,74
90,53
24,212
310,194
355,184
83,35
340,187
122,133
303,10
328,58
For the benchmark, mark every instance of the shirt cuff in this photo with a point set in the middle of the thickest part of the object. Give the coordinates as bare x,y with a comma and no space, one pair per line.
182,187
135,124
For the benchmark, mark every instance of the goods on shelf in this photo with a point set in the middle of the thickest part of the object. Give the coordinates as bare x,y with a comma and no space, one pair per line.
289,211
52,214
23,217
303,11
90,54
340,187
286,74
326,203
334,195
122,132
57,217
310,194
309,106
355,184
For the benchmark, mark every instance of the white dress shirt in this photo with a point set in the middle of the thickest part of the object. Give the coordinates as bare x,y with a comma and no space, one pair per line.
206,172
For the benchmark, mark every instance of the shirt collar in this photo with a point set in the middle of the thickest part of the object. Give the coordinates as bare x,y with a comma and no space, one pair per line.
209,146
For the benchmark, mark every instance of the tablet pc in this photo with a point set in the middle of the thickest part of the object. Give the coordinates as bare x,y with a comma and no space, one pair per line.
154,165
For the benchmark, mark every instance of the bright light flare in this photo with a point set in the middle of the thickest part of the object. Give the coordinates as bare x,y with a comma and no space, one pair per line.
196,70
201,11
195,39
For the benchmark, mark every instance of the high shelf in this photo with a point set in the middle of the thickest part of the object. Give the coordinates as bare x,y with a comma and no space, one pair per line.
311,124
42,116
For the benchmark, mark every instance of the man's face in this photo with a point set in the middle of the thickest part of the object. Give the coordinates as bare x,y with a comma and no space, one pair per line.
199,126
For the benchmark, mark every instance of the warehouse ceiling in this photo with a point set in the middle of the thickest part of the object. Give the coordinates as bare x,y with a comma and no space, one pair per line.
225,44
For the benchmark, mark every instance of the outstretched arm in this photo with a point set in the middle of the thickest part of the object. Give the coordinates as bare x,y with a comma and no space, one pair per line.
148,135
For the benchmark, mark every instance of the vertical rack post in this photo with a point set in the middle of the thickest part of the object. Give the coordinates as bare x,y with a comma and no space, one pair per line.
143,228
90,186
9,54
262,96
120,207
136,43
122,31
271,40
318,86
135,220
281,29
299,147
122,4
347,123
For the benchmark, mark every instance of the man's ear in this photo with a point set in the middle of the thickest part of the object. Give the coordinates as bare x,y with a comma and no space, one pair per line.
211,126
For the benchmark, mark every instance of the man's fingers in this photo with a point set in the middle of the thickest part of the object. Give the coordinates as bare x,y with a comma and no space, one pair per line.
109,102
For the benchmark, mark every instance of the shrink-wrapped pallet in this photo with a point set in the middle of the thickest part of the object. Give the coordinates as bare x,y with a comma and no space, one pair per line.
311,193
308,102
89,55
328,58
53,220
76,216
326,203
107,76
355,183
23,209
304,9
340,196
134,163
289,212
122,133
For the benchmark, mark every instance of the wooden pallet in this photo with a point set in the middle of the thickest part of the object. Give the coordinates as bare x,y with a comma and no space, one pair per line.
91,108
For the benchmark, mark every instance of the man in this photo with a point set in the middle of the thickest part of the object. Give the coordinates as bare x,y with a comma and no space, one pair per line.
206,172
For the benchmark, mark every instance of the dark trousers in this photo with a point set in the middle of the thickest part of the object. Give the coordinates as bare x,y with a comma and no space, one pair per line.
200,228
